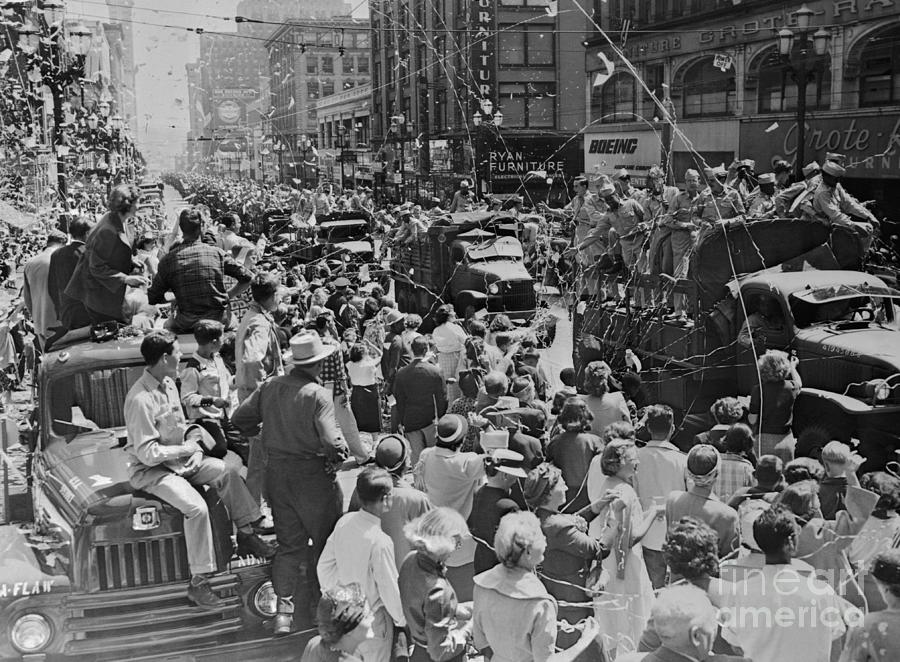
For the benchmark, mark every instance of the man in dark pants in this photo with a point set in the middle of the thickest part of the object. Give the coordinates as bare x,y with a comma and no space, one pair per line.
70,312
301,435
421,399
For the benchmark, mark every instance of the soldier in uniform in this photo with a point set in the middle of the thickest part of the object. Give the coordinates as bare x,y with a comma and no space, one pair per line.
762,202
789,200
658,201
683,224
719,202
834,206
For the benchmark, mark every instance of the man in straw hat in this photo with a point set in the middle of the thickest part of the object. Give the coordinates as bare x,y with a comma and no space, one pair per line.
301,435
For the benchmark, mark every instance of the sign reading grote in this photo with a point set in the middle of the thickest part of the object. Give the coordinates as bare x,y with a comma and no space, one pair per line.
483,47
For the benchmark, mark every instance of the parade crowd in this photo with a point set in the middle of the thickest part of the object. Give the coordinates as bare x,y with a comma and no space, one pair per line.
494,514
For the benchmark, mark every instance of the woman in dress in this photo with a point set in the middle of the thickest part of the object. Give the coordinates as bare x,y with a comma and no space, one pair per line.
772,408
432,612
880,532
607,408
623,608
513,615
450,339
878,639
570,550
364,370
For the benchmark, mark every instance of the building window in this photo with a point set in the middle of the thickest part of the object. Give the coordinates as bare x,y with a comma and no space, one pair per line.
349,84
708,90
777,91
327,88
362,40
327,64
312,64
347,66
523,3
325,39
312,89
879,76
527,105
614,100
654,76
362,65
527,45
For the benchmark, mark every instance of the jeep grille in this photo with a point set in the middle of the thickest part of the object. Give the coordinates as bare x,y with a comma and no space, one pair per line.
140,563
518,295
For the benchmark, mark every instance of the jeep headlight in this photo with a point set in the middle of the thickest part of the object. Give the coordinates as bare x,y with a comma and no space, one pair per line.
264,600
30,633
493,288
881,390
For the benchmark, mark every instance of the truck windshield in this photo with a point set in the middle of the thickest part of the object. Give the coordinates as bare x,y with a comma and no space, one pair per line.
332,233
93,399
810,310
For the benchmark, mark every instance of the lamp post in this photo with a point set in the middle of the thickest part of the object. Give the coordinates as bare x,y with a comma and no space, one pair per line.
305,148
279,148
342,134
803,56
484,122
398,123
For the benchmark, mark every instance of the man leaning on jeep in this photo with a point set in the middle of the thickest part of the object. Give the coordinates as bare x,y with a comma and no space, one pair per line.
166,460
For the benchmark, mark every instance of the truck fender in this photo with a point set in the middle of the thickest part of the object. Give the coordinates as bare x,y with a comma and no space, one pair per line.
817,409
467,302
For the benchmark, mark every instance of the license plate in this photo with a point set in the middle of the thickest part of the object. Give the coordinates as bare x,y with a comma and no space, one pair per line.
145,518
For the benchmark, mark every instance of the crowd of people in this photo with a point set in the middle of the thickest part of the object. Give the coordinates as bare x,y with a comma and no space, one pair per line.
493,512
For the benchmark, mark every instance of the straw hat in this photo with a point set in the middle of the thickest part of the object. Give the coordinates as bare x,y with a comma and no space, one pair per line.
308,348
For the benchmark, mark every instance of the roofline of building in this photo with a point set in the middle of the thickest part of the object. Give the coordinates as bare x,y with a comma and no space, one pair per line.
318,23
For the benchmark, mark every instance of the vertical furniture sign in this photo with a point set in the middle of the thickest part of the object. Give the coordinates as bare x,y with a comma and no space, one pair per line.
482,63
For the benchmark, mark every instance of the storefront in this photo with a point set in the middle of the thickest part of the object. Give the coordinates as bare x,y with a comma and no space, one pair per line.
509,164
638,149
869,139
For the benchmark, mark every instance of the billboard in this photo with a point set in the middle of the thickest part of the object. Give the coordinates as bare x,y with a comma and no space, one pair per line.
510,160
636,151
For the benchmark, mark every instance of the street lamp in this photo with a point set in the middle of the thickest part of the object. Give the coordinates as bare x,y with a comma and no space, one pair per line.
279,148
485,120
803,56
342,133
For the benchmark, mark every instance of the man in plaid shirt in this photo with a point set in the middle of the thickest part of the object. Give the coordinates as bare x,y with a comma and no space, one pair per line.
735,471
334,378
195,272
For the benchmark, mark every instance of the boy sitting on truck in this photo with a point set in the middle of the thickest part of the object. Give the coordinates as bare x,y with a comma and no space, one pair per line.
206,388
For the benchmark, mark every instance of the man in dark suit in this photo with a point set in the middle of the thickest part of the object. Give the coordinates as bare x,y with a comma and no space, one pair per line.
69,311
421,398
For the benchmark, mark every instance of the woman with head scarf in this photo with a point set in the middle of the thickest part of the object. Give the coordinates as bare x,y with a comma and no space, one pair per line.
571,552
344,621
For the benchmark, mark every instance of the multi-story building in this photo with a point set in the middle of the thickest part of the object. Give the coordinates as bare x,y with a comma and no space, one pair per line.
716,64
234,83
310,60
120,35
441,72
343,137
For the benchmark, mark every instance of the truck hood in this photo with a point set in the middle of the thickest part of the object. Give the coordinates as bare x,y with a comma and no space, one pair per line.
361,246
874,345
89,470
31,563
501,270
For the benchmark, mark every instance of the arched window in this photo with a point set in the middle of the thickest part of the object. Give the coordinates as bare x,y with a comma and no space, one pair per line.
708,90
614,101
879,72
777,89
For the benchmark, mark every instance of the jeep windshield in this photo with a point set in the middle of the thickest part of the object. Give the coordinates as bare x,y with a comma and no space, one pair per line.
846,303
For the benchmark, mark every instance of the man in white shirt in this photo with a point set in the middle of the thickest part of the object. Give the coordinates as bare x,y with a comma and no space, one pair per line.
661,470
359,552
782,611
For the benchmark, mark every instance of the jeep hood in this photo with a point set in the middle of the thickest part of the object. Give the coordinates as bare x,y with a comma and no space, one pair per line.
501,270
30,562
355,246
873,345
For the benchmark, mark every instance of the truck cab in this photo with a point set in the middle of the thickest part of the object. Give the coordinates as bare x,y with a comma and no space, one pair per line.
100,572
473,260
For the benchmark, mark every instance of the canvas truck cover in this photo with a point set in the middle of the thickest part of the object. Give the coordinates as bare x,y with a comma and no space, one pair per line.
757,245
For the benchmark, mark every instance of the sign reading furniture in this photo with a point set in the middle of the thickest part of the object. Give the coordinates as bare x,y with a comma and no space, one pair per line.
483,49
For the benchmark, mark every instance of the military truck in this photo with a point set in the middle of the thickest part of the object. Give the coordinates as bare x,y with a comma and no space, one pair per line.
472,260
842,324
100,571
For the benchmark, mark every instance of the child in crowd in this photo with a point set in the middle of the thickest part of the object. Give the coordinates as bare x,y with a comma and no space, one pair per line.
206,389
833,488
567,377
